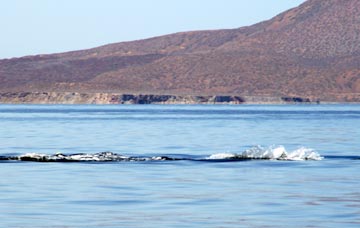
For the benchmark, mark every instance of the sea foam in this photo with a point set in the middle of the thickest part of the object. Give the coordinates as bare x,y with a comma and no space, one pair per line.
271,153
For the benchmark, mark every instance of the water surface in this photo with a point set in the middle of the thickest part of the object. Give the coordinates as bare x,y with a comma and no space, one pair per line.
192,191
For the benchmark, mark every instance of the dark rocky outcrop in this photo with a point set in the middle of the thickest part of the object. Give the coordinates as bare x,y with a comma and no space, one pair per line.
145,99
295,99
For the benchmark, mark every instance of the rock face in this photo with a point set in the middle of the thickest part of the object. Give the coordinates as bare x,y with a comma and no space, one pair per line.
114,98
311,51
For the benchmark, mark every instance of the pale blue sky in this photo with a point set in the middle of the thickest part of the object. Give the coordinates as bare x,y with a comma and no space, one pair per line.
31,27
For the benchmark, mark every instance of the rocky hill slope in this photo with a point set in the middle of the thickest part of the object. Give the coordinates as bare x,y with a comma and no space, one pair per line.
311,51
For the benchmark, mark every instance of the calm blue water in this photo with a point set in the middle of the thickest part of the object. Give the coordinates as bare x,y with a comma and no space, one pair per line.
182,193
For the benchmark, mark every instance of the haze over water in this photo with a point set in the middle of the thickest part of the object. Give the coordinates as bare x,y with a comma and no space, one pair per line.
204,186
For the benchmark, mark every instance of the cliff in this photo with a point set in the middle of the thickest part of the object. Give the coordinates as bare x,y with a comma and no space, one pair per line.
116,98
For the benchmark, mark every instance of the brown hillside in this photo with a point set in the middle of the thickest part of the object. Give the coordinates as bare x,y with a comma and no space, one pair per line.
309,51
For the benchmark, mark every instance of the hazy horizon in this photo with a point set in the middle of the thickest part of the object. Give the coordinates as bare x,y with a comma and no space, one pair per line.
44,27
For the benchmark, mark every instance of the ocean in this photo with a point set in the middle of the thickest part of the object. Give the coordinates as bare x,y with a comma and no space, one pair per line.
180,165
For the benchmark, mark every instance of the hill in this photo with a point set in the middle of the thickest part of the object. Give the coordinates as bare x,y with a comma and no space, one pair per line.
310,51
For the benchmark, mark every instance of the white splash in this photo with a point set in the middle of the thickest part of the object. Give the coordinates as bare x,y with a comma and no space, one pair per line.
33,155
304,154
222,156
103,156
258,152
97,157
271,153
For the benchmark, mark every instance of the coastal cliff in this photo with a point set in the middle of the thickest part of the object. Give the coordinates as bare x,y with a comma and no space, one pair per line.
116,98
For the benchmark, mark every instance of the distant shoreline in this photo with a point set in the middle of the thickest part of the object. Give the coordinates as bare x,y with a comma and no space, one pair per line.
120,98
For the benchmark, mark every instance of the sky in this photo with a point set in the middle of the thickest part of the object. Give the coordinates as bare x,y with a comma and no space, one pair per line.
30,27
